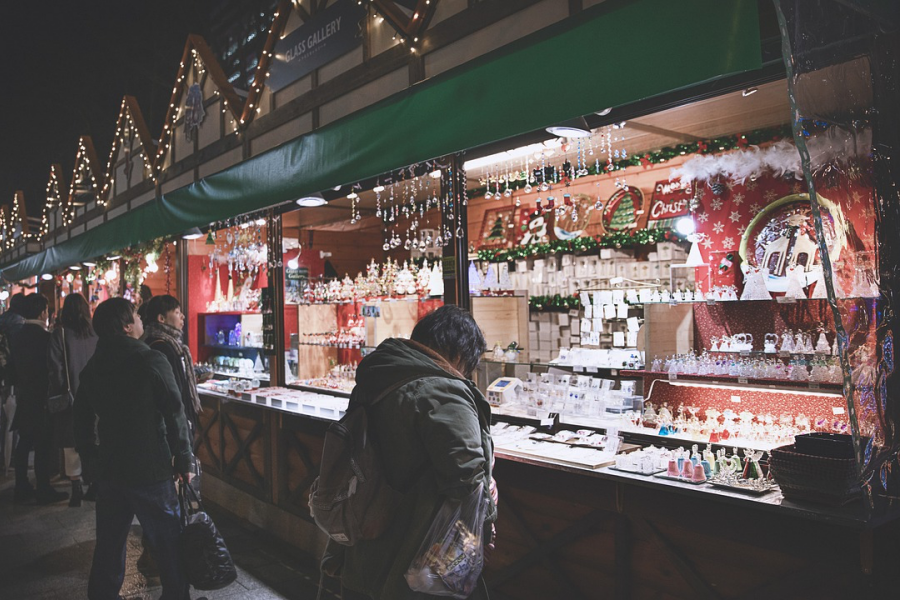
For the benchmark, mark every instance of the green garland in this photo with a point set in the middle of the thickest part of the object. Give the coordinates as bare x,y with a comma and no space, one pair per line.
645,159
554,303
619,239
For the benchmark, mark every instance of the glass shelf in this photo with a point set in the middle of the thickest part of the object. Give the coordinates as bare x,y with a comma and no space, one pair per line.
732,379
576,368
260,376
227,347
338,346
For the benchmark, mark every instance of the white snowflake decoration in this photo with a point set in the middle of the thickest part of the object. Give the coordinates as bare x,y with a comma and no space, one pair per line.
719,227
770,195
706,243
754,209
703,217
738,199
735,216
728,243
742,229
716,204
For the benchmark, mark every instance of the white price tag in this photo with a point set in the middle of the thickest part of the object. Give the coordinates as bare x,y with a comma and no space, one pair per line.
548,422
837,410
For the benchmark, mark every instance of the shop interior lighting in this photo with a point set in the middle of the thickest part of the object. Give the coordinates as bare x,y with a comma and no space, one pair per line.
295,262
514,154
436,174
749,91
311,200
113,257
378,189
88,263
4,295
685,226
46,276
75,267
193,233
352,196
573,128
604,112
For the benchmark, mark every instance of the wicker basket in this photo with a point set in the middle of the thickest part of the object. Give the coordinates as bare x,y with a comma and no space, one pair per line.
810,478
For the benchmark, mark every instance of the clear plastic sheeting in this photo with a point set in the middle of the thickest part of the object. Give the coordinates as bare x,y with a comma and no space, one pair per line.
841,58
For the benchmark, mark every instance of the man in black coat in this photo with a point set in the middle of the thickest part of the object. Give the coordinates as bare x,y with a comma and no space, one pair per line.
141,441
28,374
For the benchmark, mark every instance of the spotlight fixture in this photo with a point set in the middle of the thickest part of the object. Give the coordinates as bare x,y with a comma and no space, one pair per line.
193,233
378,189
573,128
436,174
311,200
113,257
88,264
75,267
46,276
352,196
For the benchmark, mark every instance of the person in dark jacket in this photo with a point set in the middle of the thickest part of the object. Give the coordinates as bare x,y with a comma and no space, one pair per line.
433,437
10,323
28,373
128,414
71,346
163,331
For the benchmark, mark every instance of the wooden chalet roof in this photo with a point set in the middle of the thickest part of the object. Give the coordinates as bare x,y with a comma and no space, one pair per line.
87,153
129,110
224,87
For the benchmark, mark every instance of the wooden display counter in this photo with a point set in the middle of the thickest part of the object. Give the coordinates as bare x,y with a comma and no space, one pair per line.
565,532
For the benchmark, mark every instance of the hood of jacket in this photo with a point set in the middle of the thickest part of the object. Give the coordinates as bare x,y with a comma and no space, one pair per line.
397,359
11,322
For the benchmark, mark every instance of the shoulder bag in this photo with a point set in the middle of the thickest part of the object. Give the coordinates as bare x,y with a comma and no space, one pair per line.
61,402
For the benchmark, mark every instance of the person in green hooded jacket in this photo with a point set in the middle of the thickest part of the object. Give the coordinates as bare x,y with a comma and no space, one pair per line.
433,438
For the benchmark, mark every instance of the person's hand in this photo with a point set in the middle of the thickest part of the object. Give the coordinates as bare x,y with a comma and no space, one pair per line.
490,546
180,477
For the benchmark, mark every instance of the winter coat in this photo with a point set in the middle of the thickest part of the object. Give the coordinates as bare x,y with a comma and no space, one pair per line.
28,373
78,351
10,324
130,390
433,438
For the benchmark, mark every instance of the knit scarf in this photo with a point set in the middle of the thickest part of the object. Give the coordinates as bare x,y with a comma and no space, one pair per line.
173,337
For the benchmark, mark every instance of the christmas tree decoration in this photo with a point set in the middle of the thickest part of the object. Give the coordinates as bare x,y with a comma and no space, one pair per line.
436,282
476,283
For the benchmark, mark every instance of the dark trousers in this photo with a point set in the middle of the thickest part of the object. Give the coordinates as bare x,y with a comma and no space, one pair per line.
156,507
37,437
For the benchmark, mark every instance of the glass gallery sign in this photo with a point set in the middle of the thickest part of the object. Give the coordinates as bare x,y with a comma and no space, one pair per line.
329,34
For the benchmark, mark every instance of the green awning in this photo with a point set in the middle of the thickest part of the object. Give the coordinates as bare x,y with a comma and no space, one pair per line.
615,53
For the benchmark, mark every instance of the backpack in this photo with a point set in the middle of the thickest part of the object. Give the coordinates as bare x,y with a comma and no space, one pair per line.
351,500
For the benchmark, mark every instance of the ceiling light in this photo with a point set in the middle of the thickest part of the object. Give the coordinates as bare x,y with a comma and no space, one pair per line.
113,257
573,128
46,276
604,112
75,267
193,233
378,189
352,196
88,263
260,222
749,91
436,174
311,200
4,295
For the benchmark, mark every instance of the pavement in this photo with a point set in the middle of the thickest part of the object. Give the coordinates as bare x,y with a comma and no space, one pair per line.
46,551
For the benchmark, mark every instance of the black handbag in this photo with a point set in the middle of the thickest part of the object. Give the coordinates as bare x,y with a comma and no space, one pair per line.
61,402
207,561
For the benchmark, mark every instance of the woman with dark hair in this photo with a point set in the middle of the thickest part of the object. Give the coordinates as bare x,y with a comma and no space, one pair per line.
72,344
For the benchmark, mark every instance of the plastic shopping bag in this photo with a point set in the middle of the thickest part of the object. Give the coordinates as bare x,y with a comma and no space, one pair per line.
451,556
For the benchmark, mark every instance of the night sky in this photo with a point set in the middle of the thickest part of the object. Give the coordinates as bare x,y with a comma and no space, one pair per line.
67,66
